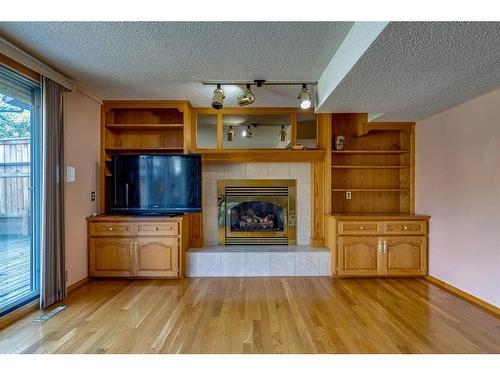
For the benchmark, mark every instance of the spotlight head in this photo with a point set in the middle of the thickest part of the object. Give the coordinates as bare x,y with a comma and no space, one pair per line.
247,133
218,98
247,97
305,97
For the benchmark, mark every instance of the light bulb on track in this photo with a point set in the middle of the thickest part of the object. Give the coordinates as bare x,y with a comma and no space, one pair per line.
305,97
218,98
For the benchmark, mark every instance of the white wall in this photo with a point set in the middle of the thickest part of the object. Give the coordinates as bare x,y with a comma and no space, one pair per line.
82,134
301,172
458,184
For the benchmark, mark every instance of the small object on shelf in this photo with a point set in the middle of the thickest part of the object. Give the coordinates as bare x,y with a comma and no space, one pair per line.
298,146
230,134
282,134
339,142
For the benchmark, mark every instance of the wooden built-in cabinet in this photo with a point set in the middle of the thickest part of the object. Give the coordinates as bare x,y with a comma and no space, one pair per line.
370,222
378,245
125,246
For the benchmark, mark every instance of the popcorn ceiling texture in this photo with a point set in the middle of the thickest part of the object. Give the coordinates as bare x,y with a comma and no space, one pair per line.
168,60
412,70
416,69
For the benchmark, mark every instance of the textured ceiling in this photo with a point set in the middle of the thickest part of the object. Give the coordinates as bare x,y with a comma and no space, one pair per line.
416,69
168,60
410,72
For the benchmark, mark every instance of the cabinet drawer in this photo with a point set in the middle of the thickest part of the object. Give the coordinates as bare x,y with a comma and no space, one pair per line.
110,229
360,227
404,227
160,229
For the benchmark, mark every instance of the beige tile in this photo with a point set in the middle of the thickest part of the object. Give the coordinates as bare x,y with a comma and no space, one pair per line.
278,171
304,215
303,194
209,194
300,172
212,172
210,216
234,171
210,235
303,235
256,170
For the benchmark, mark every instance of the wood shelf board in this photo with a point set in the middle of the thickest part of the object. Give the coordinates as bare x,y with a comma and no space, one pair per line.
125,127
372,152
370,166
379,216
370,190
125,149
261,155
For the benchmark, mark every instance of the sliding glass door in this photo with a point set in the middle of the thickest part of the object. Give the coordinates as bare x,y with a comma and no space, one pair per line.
20,162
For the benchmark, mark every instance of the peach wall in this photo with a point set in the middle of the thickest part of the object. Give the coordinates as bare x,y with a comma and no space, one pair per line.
82,118
458,183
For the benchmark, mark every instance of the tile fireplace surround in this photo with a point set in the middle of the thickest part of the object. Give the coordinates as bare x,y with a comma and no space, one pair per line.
301,172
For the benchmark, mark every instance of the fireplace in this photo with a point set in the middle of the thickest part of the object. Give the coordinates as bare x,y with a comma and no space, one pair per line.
256,212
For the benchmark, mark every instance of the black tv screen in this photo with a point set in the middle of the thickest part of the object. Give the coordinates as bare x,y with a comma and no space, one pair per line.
156,184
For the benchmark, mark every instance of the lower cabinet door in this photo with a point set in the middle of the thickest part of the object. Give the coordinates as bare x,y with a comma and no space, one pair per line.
360,256
110,256
157,257
406,256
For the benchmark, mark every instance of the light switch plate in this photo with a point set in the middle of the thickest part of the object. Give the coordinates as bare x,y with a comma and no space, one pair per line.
347,195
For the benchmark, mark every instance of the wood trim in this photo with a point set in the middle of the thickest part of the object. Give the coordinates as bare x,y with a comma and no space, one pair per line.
220,131
261,155
78,284
19,68
293,128
19,313
466,296
108,105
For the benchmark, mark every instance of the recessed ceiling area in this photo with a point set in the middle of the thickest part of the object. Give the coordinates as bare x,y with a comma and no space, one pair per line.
408,71
416,69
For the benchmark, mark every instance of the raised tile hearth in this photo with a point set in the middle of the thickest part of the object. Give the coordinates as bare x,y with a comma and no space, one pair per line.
260,260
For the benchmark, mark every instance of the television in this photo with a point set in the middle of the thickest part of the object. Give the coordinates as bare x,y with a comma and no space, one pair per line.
156,184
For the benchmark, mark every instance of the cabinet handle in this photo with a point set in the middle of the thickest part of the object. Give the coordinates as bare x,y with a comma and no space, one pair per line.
385,247
406,228
379,246
361,227
156,228
110,228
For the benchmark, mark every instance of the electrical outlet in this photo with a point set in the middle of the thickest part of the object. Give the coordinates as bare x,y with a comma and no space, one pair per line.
347,195
92,196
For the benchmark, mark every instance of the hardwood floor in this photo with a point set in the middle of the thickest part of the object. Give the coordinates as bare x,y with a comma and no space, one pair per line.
259,315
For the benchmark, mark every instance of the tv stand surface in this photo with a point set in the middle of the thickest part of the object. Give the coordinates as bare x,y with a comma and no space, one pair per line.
138,246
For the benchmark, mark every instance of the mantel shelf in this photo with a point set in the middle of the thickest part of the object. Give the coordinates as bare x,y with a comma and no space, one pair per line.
144,126
261,155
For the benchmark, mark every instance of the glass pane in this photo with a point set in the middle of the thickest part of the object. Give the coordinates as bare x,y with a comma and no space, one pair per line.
256,131
18,260
206,131
306,130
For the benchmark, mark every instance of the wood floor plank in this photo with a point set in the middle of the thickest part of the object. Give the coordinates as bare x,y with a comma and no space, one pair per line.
259,315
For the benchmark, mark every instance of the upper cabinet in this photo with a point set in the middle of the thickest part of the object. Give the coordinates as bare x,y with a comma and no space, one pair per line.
233,129
206,131
249,131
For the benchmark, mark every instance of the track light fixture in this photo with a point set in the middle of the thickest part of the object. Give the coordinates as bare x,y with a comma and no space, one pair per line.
218,97
247,97
230,134
247,133
305,97
282,133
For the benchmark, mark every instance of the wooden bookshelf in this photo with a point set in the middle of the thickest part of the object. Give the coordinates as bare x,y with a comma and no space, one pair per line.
141,127
376,166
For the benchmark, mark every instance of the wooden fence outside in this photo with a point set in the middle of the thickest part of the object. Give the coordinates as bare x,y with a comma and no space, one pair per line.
14,185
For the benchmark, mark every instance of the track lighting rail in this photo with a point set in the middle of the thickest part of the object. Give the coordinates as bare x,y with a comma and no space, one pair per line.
259,82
